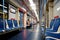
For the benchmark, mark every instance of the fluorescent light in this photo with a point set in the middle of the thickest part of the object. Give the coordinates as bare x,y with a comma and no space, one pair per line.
33,6
31,1
1,5
5,11
58,8
36,15
12,10
4,6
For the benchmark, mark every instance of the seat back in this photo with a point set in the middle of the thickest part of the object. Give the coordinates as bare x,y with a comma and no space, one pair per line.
15,23
51,23
56,25
1,25
21,24
10,24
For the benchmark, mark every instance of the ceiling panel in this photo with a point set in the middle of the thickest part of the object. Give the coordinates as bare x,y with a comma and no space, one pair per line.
25,4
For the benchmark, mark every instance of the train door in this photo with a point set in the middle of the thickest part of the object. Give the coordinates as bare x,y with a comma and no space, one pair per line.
21,19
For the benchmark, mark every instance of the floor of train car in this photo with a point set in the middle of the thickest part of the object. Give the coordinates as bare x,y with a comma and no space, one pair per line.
26,34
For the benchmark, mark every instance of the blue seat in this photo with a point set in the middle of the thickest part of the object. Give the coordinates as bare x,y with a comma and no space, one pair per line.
15,23
1,25
55,29
51,24
49,39
10,25
55,35
21,24
55,26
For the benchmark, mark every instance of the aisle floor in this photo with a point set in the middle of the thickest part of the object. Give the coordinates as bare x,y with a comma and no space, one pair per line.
26,34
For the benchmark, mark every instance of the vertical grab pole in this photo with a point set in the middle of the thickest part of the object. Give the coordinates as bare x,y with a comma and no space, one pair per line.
3,15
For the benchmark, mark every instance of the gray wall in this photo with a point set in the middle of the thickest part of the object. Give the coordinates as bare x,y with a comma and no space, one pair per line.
56,6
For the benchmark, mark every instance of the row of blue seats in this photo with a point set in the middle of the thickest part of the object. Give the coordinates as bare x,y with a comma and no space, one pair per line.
52,33
7,25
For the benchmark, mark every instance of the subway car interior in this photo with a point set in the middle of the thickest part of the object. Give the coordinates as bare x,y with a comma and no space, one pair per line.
29,19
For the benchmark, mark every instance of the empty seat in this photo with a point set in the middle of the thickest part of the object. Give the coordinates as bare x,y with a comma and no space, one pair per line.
15,24
10,25
51,24
51,38
55,25
2,25
55,33
21,24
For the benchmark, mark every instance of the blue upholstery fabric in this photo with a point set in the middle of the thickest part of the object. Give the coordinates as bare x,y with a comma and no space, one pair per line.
55,29
49,39
1,25
55,35
51,24
15,23
10,24
55,26
21,24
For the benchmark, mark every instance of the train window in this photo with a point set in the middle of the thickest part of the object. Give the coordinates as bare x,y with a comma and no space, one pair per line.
1,9
12,11
5,10
1,2
1,6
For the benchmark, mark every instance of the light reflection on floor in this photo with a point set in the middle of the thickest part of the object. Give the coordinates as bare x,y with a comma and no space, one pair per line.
36,34
24,34
28,34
